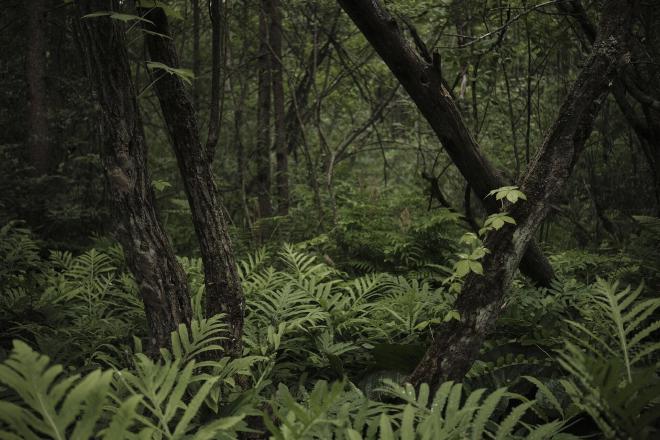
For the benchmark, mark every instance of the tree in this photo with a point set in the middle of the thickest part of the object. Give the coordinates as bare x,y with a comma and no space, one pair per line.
281,149
262,153
149,255
481,299
640,81
38,145
223,289
421,76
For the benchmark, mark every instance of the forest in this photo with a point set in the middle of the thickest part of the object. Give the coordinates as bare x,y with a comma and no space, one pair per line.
350,219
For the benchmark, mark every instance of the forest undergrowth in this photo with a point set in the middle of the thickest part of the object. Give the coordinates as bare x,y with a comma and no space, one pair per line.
327,347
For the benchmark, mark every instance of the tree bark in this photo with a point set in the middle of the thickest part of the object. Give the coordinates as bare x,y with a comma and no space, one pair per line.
149,255
38,146
423,81
223,288
196,62
281,150
214,112
646,126
481,300
263,116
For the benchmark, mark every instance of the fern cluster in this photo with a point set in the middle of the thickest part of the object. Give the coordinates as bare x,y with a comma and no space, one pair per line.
324,355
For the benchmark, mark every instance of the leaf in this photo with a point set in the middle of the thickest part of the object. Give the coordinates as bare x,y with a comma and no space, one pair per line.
476,267
462,268
186,75
160,185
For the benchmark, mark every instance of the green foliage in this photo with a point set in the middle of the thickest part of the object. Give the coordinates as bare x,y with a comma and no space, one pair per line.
310,326
613,361
54,405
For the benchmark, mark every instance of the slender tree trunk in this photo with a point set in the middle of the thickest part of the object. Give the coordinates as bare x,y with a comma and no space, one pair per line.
214,112
196,62
223,288
481,300
281,150
149,255
297,111
38,145
423,81
263,115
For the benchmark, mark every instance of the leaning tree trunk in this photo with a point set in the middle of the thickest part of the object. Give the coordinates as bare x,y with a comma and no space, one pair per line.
481,300
421,76
223,289
161,280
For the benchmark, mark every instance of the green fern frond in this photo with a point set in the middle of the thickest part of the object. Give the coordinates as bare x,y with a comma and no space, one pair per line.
53,405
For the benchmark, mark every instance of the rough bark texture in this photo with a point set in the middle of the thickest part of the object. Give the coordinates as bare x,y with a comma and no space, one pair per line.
641,81
281,150
481,299
423,81
160,278
223,288
38,146
262,154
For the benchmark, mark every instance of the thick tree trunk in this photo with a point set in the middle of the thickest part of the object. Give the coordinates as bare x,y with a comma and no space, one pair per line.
481,300
423,81
223,288
262,153
161,280
38,145
281,151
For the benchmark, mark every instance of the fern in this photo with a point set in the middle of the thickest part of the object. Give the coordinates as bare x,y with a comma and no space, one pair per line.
54,405
624,332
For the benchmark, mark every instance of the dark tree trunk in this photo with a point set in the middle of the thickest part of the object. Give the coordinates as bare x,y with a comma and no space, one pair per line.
281,150
423,81
161,280
642,81
223,288
196,62
262,153
214,112
456,346
38,145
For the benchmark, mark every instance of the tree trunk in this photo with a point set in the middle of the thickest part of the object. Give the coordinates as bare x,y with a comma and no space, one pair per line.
214,111
223,288
38,146
423,81
281,150
263,116
481,300
149,255
644,80
196,63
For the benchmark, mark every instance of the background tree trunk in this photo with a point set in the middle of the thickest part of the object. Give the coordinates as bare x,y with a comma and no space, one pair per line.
149,255
281,150
262,153
423,81
223,289
481,300
38,145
